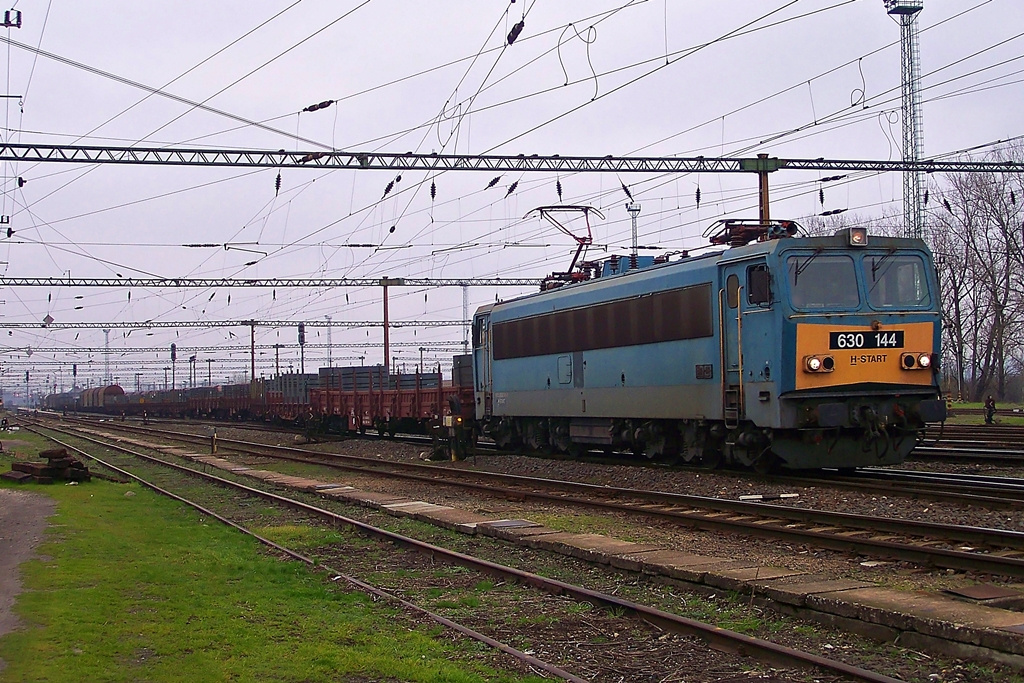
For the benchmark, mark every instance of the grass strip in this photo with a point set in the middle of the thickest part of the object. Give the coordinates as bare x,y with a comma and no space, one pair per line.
132,586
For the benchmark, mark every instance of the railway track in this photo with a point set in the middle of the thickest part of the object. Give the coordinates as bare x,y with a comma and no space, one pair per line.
950,546
716,637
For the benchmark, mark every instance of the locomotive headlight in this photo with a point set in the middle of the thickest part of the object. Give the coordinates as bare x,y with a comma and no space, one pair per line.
858,237
908,361
819,364
924,360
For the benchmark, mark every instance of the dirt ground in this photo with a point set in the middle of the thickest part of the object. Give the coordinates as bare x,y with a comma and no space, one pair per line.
22,521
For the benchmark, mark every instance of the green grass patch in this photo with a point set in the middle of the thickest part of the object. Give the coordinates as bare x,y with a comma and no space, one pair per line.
142,588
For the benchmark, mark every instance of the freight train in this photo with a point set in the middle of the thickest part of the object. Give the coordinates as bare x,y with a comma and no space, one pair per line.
779,351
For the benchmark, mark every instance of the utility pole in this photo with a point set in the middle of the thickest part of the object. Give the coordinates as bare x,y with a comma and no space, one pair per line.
106,356
328,340
385,282
910,70
465,321
209,372
634,210
252,351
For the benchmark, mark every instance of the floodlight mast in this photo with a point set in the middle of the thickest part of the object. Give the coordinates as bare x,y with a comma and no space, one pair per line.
910,69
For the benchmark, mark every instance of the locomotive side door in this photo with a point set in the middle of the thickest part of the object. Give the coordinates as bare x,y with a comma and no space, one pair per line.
482,354
745,324
730,330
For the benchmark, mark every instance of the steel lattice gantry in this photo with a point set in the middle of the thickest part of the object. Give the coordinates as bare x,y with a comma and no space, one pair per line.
174,156
205,283
203,324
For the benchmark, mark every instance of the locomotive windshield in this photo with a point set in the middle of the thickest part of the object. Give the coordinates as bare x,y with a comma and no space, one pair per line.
896,280
822,281
893,280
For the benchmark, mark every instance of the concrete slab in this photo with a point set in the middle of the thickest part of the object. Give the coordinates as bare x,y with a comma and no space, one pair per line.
592,547
515,534
411,508
369,498
336,489
453,518
740,579
796,591
931,614
677,564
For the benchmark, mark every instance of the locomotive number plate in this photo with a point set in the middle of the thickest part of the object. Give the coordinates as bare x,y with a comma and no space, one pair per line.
871,339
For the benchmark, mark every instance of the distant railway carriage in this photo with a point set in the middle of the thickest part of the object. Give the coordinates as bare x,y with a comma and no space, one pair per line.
799,352
99,398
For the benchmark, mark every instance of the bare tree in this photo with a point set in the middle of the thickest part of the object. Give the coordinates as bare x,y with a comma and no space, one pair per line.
975,229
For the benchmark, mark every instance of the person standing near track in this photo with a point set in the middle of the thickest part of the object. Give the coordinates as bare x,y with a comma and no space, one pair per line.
990,410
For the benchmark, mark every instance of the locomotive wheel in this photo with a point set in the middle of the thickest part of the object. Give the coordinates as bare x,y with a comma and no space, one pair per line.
711,459
766,463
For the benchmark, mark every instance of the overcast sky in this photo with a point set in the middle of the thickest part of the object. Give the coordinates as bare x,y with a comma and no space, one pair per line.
799,79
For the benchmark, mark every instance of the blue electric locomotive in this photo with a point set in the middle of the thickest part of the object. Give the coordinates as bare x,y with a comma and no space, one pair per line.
798,352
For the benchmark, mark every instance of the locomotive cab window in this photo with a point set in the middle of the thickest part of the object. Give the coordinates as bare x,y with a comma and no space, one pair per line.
896,281
758,285
732,291
819,281
479,331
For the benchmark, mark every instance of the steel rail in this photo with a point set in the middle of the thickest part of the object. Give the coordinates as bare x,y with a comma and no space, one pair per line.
747,517
716,637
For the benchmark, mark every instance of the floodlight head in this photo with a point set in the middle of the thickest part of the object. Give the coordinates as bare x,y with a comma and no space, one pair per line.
903,6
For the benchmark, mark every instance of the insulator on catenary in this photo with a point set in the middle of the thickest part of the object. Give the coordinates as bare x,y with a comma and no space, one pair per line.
10,232
391,230
388,189
21,182
494,181
697,195
830,178
821,196
512,188
626,190
277,184
321,105
398,178
558,189
1013,198
926,197
433,190
945,203
516,30
833,212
